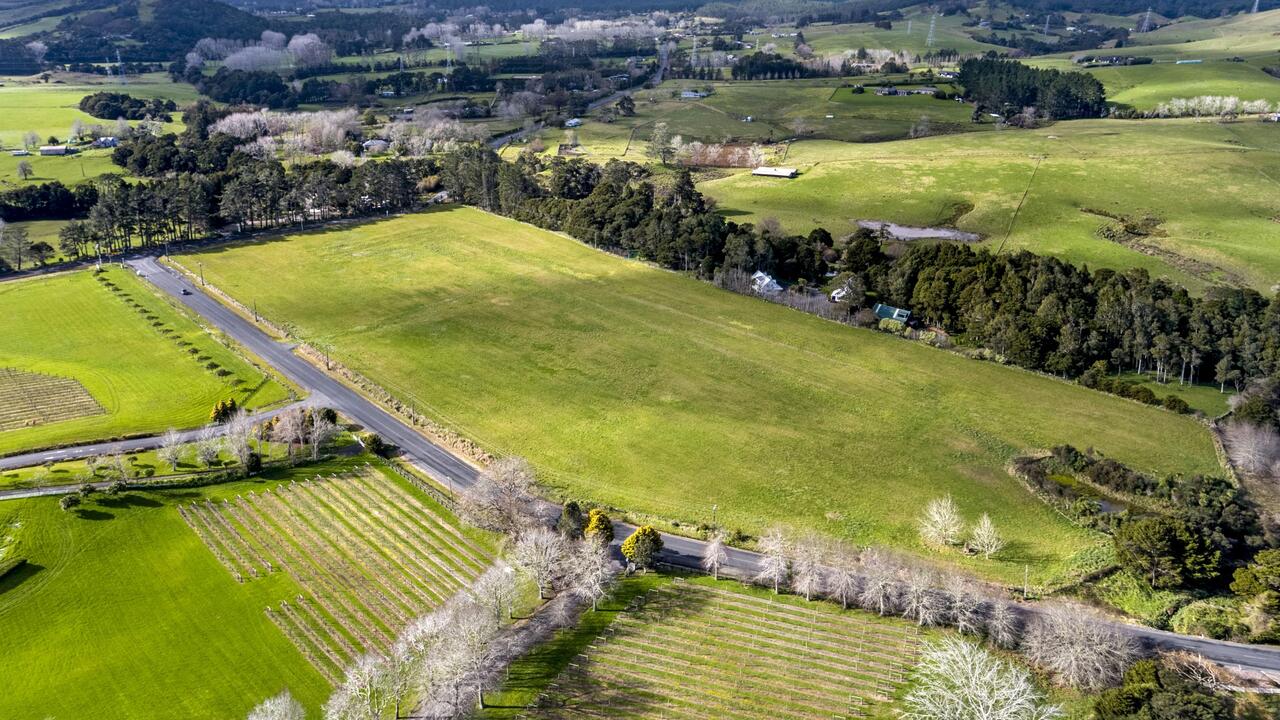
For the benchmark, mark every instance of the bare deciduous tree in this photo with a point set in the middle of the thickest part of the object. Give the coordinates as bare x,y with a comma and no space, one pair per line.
966,606
842,574
920,602
322,433
502,497
880,589
985,538
774,567
1080,649
959,680
171,448
591,571
541,553
278,707
495,590
941,524
808,575
239,431
1253,448
208,445
290,429
365,693
714,554
1004,625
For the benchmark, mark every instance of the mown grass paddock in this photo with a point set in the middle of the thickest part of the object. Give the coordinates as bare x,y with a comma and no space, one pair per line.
689,650
369,553
49,108
652,392
1210,188
145,363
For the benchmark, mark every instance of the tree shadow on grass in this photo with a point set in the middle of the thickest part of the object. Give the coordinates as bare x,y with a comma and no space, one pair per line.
128,500
1020,553
91,514
19,575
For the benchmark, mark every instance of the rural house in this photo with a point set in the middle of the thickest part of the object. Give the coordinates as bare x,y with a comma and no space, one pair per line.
692,94
573,122
763,284
889,312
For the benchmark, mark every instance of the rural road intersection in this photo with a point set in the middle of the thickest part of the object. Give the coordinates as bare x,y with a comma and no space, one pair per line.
460,474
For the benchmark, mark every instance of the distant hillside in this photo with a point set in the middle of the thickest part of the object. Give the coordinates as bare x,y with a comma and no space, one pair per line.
817,10
151,30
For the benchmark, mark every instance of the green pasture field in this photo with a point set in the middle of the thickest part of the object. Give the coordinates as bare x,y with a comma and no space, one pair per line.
1204,397
834,39
49,108
651,392
1142,87
67,169
68,325
774,106
1212,186
35,26
122,611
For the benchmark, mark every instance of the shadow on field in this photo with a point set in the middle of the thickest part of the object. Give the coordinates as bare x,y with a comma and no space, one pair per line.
90,514
19,575
127,501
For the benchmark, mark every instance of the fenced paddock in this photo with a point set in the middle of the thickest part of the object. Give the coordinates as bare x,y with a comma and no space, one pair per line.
370,555
29,398
689,650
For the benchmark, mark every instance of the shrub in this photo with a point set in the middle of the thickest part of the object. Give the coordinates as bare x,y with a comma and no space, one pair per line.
374,443
642,546
1176,404
890,325
86,490
571,521
69,501
599,526
1210,618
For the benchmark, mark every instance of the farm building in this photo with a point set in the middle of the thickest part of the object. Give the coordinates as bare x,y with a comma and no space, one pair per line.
762,283
692,94
889,312
20,153
780,172
53,150
373,147
840,293
573,122
105,142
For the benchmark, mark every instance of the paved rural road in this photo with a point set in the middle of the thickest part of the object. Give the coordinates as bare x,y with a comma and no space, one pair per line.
121,446
445,466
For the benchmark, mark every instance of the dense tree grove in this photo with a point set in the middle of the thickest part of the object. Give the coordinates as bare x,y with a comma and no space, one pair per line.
47,201
110,106
1008,86
767,66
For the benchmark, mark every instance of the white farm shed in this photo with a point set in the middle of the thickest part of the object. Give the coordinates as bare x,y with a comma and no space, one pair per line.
780,172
